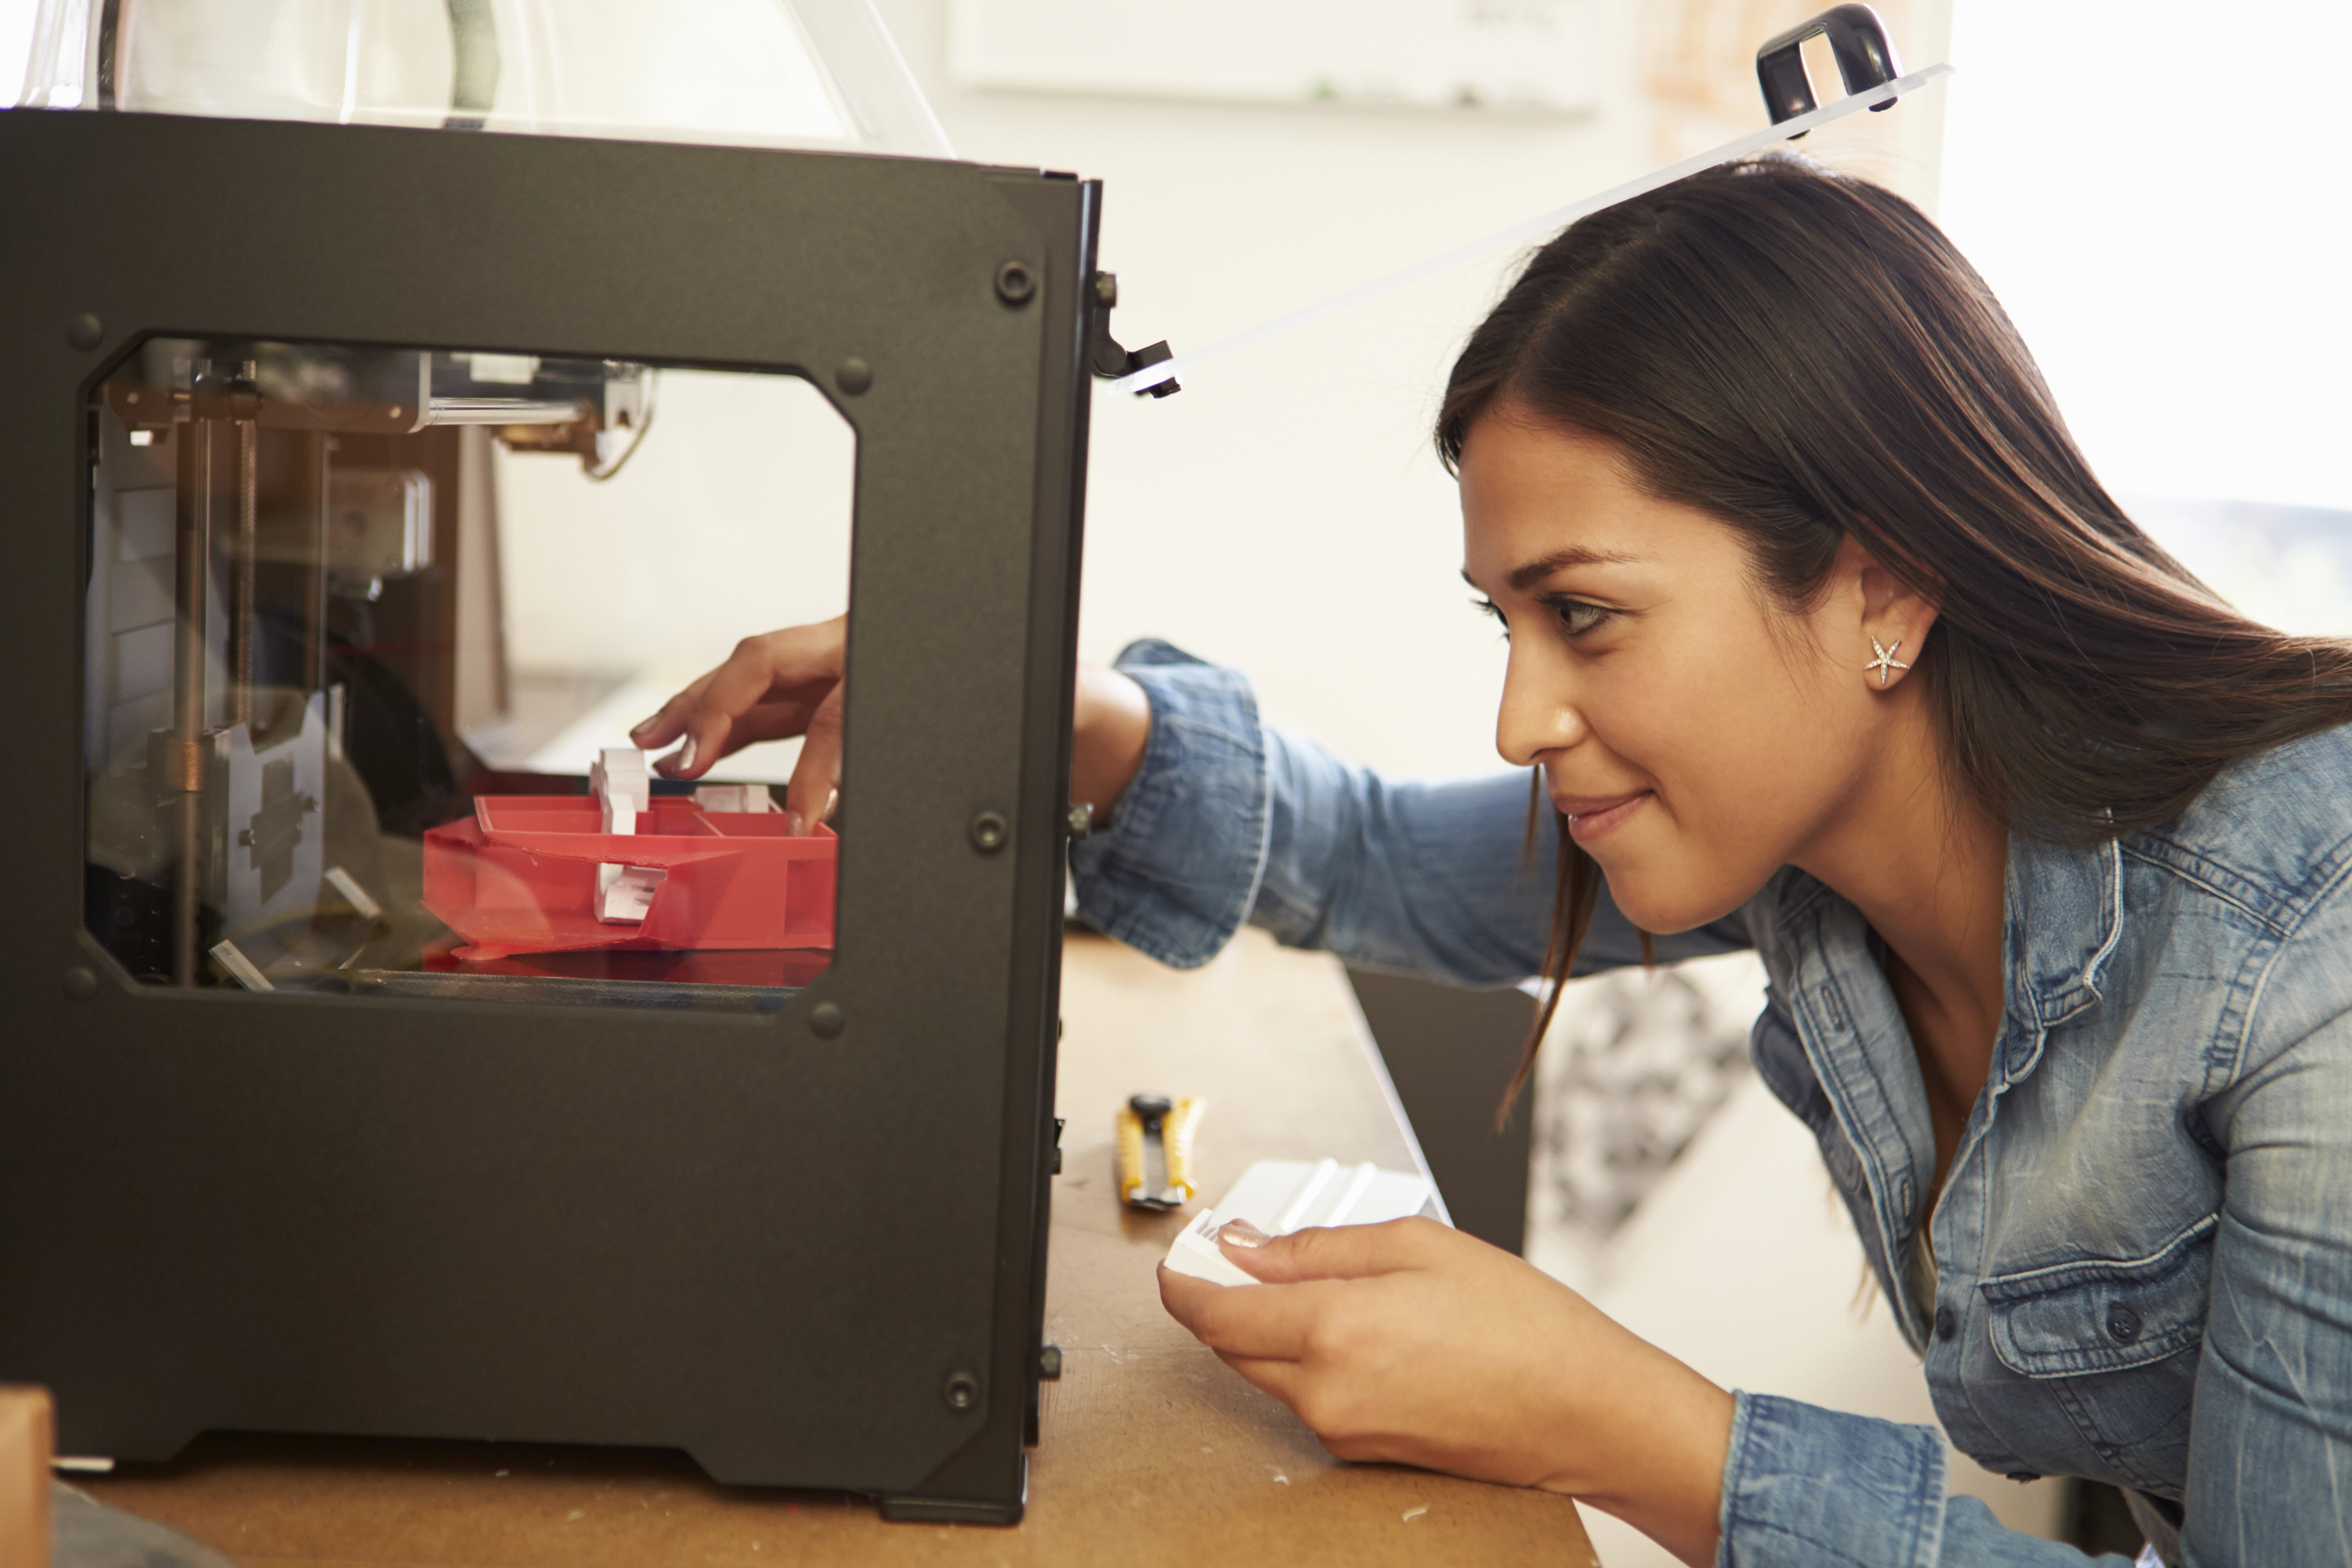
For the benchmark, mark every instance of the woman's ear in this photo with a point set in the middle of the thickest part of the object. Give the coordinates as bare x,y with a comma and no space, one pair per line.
1890,618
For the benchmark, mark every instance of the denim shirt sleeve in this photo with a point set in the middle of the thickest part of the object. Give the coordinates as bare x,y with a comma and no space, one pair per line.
2270,1471
1808,1487
1227,821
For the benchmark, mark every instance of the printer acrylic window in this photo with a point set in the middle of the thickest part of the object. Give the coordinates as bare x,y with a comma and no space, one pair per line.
364,635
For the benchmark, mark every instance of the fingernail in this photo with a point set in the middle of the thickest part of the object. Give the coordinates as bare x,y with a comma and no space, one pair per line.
793,826
831,799
1241,1233
686,756
637,730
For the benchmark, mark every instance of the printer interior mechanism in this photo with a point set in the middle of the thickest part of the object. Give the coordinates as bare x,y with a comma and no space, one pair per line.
309,764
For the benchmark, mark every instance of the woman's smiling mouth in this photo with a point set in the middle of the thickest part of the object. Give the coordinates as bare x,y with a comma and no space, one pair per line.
1590,817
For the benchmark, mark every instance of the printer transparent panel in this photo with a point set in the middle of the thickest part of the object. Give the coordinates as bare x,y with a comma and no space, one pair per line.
366,633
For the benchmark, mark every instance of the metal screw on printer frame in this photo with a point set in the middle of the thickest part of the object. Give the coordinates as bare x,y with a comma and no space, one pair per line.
963,1391
989,832
1015,283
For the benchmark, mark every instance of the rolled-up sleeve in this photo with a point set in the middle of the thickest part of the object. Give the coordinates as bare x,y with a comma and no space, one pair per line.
1228,822
1177,872
1808,1487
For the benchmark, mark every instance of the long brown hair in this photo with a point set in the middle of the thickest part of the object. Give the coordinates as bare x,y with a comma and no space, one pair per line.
1804,357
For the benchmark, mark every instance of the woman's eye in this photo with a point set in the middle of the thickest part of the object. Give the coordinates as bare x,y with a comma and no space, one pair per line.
1577,617
1488,607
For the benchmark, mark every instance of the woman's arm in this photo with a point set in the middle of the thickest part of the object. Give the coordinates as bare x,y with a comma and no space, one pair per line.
1414,1344
1206,819
1226,821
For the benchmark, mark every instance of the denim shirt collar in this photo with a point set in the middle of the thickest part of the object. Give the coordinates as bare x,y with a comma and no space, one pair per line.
2063,915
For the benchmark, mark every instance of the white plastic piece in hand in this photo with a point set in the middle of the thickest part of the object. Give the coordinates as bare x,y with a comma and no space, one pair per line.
1279,1196
1195,1252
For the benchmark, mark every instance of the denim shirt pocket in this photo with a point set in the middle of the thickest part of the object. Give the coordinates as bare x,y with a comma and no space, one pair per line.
2105,1336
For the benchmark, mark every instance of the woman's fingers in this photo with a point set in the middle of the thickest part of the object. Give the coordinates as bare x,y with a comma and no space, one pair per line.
669,722
1282,1323
1286,1380
816,776
1343,1252
797,665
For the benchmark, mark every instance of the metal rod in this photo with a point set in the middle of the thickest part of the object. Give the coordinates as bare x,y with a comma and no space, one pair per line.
315,447
502,411
183,766
243,612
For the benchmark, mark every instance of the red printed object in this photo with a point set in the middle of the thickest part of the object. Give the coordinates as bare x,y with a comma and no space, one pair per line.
520,876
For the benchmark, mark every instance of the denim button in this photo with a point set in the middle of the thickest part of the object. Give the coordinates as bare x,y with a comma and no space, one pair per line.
2123,1324
1947,1323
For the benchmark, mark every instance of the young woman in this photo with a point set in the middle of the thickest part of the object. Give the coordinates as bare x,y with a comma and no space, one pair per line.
1824,640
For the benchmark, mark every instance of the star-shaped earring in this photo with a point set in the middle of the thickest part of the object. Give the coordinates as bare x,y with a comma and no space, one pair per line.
1885,663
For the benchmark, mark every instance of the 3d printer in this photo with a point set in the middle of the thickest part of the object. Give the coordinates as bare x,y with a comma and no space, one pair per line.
292,1148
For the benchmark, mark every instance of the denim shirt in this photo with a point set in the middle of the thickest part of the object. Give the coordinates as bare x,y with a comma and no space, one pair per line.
2143,1250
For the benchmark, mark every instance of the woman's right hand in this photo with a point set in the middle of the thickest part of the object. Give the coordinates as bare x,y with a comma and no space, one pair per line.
787,683
771,688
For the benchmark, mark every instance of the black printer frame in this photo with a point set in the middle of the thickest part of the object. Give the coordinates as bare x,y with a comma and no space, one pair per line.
807,1247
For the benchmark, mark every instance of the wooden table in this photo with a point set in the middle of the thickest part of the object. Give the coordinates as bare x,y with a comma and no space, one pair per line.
1154,1453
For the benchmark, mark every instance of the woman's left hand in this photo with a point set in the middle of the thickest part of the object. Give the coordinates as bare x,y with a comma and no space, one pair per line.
1414,1343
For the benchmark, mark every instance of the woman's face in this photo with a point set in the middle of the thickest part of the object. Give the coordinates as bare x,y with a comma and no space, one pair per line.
1697,736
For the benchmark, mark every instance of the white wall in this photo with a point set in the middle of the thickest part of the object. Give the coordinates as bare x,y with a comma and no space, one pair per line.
738,524
1285,512
16,45
2156,190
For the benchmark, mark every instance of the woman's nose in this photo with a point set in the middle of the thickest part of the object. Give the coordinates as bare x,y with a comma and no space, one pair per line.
1539,713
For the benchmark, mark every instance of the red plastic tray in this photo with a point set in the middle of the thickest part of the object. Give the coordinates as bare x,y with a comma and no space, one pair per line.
520,876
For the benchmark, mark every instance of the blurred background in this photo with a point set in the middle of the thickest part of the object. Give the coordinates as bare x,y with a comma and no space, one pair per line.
2157,202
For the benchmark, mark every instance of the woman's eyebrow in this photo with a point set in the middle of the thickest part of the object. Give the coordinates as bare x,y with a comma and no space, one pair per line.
1528,575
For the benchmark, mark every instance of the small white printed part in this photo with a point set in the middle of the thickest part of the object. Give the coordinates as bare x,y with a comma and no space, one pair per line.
620,780
625,893
736,797
1279,1196
246,971
346,884
624,788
